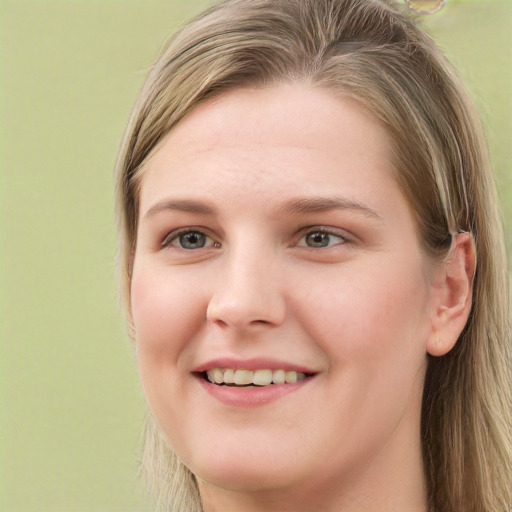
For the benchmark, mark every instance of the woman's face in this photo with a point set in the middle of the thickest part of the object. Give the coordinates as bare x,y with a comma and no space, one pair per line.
274,244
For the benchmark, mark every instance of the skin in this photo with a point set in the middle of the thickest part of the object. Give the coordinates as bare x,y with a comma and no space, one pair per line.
360,313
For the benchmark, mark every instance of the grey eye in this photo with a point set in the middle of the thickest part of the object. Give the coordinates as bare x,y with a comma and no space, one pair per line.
192,240
320,239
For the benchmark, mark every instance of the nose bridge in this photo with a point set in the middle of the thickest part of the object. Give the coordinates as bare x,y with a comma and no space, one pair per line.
248,291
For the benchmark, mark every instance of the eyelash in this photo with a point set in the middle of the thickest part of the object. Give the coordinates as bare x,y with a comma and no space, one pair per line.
323,232
176,235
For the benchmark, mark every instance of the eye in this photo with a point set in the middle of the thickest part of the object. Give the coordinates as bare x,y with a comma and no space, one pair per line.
319,239
189,240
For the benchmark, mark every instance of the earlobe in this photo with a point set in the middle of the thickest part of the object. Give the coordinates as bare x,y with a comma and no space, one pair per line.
453,292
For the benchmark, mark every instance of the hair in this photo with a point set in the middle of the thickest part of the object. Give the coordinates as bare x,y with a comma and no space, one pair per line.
374,52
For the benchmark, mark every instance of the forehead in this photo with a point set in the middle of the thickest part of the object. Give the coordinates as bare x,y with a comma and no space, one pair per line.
291,114
290,136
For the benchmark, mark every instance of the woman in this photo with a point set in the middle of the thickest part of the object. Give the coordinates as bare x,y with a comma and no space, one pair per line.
313,266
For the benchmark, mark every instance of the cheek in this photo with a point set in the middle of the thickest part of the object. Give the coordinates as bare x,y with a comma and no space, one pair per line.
166,314
380,311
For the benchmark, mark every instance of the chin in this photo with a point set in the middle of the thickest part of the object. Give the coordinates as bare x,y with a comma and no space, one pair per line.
243,473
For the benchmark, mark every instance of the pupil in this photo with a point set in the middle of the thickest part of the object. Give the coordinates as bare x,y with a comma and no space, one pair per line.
192,240
318,239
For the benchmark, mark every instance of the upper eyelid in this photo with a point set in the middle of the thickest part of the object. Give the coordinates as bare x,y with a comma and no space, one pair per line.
330,230
346,238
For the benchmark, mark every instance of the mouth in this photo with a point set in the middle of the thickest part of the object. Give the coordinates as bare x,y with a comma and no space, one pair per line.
252,378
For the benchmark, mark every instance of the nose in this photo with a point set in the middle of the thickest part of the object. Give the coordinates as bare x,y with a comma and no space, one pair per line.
248,293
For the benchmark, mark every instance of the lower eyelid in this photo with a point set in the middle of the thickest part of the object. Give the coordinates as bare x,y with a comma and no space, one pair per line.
342,238
172,239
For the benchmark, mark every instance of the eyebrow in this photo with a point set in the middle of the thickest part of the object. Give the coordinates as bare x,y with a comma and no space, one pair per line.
300,205
182,205
304,205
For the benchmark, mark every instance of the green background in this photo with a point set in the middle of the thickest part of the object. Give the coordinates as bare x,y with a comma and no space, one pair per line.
71,407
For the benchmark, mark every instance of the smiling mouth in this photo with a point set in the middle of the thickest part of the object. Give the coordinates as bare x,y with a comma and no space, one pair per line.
257,378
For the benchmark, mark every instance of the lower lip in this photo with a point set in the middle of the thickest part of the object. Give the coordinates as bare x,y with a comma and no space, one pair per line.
251,396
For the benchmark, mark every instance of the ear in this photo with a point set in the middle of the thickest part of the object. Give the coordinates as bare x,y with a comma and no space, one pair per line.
452,295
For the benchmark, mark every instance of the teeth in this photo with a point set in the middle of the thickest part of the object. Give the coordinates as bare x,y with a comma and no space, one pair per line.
243,377
218,376
256,378
291,377
229,376
262,377
279,377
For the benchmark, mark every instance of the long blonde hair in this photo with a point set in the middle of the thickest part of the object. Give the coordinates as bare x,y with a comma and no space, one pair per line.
374,52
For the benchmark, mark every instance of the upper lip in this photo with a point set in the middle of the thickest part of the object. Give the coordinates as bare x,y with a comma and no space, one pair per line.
259,363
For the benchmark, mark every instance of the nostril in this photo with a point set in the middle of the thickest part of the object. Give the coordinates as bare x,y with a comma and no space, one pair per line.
244,314
246,296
